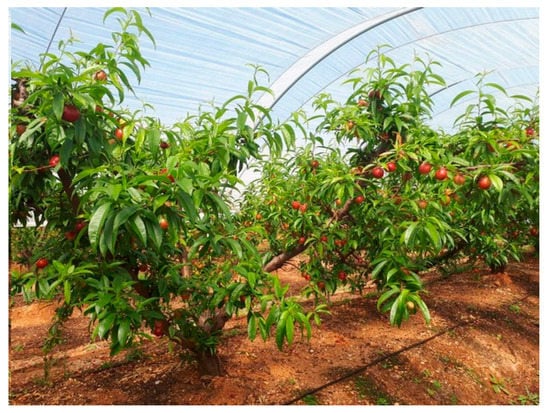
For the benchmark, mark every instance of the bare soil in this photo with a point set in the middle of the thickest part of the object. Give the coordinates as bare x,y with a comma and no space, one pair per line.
482,348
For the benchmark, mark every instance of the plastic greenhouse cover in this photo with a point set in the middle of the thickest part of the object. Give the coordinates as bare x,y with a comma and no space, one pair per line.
203,53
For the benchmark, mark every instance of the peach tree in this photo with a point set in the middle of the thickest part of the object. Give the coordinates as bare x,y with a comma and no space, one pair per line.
378,196
142,235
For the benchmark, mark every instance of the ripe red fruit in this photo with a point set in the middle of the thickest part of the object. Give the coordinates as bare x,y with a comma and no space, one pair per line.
377,172
321,285
20,129
70,235
391,166
534,231
42,263
314,163
303,208
530,131
79,226
323,238
295,205
306,276
119,133
459,179
100,76
54,161
164,145
484,182
340,242
424,168
163,222
350,125
359,199
375,94
159,328
446,200
441,174
302,240
342,276
70,113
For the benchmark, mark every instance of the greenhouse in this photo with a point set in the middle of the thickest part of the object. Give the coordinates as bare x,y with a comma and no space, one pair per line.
274,205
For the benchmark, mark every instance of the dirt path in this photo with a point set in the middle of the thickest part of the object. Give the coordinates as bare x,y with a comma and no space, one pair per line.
482,347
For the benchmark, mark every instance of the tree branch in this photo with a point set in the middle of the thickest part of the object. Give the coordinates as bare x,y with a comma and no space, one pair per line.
67,182
279,260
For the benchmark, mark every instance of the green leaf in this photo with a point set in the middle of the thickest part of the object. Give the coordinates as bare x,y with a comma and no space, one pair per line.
422,306
235,247
67,291
409,232
304,322
280,331
289,329
96,222
123,216
139,229
189,207
107,238
65,151
113,10
17,27
105,325
186,184
398,310
264,329
87,172
498,87
123,331
58,104
378,268
159,201
252,326
385,296
433,234
496,181
461,95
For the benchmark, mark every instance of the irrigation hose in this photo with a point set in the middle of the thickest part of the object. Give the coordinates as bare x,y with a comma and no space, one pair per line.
385,357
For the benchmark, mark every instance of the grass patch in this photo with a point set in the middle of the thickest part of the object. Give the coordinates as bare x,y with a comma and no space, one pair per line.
310,400
367,388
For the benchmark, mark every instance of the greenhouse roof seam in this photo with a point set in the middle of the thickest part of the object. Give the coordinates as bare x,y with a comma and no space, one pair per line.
53,35
303,65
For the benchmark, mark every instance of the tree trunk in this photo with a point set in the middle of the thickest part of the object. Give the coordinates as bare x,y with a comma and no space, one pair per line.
209,363
211,323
